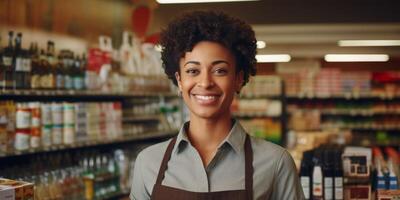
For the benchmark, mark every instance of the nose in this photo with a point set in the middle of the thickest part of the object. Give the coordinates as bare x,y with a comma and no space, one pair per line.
206,80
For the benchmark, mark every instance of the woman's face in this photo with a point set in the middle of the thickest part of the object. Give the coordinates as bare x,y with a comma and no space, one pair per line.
208,80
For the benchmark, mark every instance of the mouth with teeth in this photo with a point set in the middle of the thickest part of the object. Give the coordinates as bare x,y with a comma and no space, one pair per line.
205,99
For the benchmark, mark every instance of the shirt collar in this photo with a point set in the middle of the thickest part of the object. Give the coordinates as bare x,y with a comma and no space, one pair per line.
234,139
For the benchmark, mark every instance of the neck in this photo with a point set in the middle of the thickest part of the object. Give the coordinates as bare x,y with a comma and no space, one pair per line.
208,133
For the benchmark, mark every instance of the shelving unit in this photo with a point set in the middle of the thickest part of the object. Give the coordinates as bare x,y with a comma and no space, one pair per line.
94,144
264,114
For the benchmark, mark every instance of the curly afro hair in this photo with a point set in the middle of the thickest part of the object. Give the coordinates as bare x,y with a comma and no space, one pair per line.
183,33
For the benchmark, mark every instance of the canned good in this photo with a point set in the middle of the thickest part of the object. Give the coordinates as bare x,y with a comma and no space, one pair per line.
57,134
46,135
57,113
46,114
69,134
23,116
69,113
22,140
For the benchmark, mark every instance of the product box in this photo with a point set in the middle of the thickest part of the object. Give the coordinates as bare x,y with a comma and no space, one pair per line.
387,194
7,192
357,162
18,190
357,192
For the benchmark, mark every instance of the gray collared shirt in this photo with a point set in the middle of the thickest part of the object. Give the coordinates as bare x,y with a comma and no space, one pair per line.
275,176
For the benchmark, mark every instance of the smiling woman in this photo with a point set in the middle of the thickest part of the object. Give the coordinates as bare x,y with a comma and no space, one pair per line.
210,57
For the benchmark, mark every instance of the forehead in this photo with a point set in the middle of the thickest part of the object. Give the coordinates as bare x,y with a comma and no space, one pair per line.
207,50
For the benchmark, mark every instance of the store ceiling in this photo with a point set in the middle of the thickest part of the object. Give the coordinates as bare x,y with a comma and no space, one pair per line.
308,28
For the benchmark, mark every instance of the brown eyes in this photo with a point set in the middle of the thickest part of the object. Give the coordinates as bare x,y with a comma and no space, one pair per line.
218,72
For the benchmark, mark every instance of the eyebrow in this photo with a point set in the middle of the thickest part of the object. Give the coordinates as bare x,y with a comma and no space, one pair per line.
213,63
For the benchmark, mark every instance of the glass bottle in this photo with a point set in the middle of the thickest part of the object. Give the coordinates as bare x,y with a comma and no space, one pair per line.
43,70
7,58
51,79
21,66
60,80
2,69
36,68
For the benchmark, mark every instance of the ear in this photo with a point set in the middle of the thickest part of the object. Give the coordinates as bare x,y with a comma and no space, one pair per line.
178,80
239,81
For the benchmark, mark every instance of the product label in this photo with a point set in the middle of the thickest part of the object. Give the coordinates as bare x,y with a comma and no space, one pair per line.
46,114
23,119
57,114
21,141
69,134
35,142
68,82
60,81
27,64
7,61
69,113
35,122
19,64
35,81
57,134
78,83
338,188
305,184
328,188
46,135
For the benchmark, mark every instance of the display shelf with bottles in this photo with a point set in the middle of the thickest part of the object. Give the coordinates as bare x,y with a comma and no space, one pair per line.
363,102
56,102
263,112
96,174
350,172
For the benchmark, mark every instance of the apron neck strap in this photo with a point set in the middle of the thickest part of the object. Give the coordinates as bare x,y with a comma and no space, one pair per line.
248,165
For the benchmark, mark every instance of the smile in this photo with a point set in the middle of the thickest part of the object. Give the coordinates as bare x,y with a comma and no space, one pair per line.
205,99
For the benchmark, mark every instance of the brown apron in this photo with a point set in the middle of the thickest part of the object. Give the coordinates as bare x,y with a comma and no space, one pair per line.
161,192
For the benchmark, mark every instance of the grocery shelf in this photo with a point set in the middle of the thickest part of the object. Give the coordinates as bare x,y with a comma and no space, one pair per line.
255,114
82,93
94,143
361,127
343,96
351,112
260,96
141,118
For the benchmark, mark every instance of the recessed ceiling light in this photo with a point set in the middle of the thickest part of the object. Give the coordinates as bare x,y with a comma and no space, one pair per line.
366,43
272,58
356,57
197,1
261,44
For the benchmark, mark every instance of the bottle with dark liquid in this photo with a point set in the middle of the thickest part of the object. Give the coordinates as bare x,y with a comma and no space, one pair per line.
7,59
68,68
36,68
2,70
19,63
43,70
60,81
51,60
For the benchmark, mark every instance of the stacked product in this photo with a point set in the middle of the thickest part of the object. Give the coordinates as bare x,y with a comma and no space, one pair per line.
333,172
263,85
41,124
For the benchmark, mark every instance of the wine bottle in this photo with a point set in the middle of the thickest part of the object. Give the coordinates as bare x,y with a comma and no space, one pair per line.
8,55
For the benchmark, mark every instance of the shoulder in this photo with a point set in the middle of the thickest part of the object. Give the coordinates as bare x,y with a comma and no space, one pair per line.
153,154
270,156
266,149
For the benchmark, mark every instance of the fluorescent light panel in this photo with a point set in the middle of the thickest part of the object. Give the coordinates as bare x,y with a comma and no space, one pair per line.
272,58
261,44
197,1
367,43
356,57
